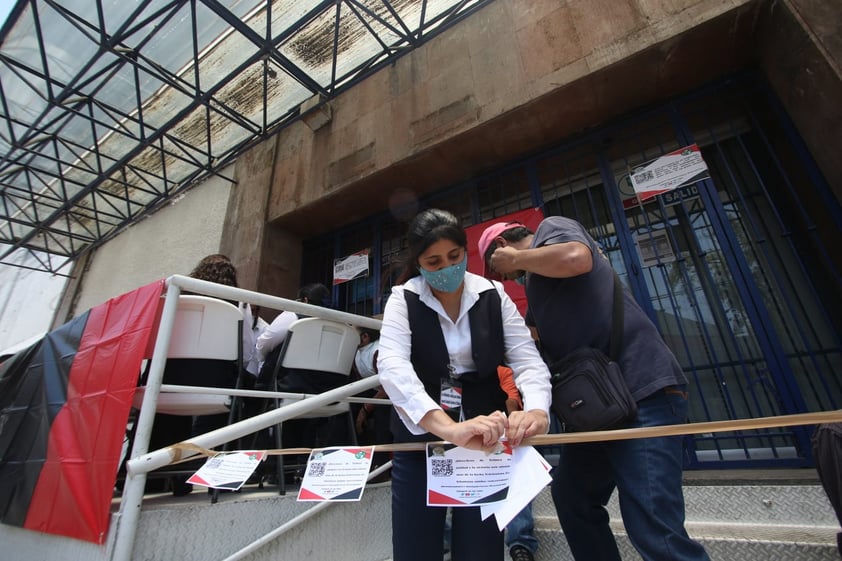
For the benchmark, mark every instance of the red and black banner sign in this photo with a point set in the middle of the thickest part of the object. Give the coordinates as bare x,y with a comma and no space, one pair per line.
64,405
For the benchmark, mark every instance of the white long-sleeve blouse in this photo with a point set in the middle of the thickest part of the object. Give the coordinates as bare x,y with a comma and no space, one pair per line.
399,378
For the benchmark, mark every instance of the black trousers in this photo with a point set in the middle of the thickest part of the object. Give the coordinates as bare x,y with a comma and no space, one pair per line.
418,529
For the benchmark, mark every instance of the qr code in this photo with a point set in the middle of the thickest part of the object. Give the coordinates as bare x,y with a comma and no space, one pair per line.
442,467
317,469
214,463
644,176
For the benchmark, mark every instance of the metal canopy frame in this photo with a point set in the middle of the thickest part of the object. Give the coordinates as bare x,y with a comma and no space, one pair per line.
109,108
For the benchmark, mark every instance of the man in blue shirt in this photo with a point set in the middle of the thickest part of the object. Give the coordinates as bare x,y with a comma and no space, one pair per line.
569,287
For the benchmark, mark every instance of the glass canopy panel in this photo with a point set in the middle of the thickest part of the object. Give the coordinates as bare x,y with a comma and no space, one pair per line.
310,48
287,16
224,134
153,164
22,213
361,41
409,12
386,26
182,161
434,10
115,122
23,95
284,95
112,82
168,38
220,57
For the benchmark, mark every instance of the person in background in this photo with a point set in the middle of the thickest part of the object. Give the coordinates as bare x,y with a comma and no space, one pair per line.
372,421
258,326
218,268
520,532
444,333
299,432
569,288
168,429
269,343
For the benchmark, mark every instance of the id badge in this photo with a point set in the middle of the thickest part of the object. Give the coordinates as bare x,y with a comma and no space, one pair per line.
451,395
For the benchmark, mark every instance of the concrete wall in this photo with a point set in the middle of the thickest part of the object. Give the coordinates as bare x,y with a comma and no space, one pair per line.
474,97
800,48
512,79
170,241
243,232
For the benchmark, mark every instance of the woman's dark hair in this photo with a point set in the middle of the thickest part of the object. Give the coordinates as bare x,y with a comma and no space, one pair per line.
315,293
216,268
427,228
373,334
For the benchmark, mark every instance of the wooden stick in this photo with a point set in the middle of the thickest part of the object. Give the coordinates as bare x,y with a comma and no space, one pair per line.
597,436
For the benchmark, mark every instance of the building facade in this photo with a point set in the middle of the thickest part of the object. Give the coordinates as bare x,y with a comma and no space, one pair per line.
551,105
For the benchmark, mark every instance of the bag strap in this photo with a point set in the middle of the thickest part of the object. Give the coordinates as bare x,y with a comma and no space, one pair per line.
616,341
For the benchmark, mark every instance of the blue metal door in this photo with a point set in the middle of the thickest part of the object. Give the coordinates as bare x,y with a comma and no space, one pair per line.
739,272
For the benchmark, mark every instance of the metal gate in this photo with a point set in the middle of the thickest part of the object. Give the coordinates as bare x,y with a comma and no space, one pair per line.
740,272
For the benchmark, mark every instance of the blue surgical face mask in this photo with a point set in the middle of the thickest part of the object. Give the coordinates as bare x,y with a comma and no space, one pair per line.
447,279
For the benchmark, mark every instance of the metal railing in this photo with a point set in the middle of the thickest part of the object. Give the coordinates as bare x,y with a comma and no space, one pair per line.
142,461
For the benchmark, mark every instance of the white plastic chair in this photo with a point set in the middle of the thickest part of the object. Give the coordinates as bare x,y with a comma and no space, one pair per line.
318,345
204,328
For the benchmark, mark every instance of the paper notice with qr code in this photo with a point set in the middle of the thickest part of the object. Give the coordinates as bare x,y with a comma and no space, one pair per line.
336,474
670,171
227,470
461,477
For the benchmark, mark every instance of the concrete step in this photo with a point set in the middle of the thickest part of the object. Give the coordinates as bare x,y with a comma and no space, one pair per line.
736,518
797,505
723,542
740,515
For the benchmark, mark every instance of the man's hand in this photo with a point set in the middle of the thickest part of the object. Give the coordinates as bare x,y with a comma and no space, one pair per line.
503,259
361,418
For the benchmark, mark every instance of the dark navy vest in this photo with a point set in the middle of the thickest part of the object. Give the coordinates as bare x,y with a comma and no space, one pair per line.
481,391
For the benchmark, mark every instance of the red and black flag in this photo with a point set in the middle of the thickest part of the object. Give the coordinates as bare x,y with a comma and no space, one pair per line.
64,405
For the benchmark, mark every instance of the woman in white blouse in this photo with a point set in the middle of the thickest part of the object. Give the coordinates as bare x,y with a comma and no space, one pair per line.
270,340
444,333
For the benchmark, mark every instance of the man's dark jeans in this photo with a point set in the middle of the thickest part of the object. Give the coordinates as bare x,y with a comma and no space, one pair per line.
647,474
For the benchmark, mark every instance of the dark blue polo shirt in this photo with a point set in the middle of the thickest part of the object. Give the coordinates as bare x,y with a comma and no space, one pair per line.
576,312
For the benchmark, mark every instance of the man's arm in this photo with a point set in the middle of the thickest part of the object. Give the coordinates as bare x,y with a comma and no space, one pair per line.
562,260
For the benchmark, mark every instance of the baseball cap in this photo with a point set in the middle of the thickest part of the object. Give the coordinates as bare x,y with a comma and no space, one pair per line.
488,236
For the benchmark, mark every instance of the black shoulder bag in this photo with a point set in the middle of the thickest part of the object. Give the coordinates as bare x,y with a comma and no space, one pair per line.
589,391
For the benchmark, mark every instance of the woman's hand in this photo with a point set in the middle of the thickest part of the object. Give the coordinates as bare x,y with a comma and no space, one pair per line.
523,424
480,433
